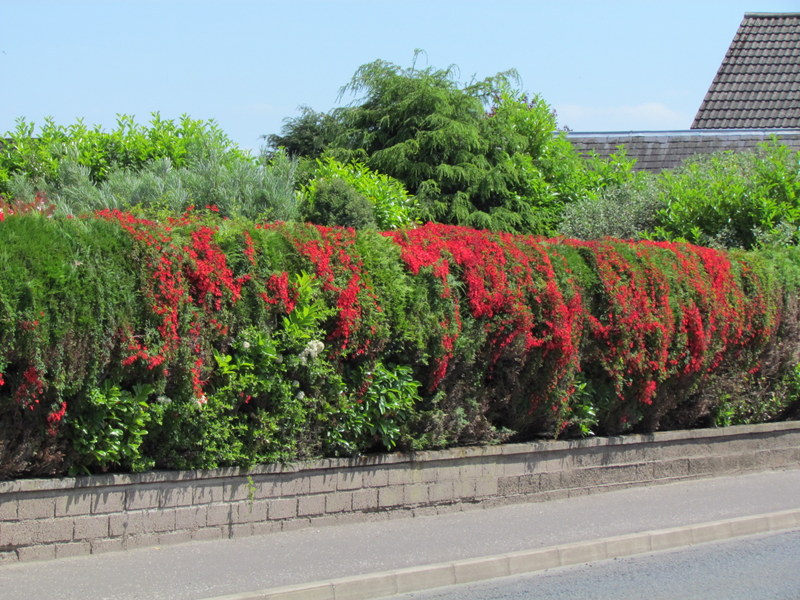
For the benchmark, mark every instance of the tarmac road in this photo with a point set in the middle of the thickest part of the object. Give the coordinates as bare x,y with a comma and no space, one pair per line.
357,551
758,567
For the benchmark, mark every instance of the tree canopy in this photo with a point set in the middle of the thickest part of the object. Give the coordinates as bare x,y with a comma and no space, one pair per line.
480,154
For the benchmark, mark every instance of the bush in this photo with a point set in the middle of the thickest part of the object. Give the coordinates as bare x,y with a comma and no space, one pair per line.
68,289
106,428
336,202
628,211
390,203
38,154
199,341
161,167
723,200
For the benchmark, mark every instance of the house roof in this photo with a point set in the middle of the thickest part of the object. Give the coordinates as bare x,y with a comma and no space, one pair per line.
758,82
658,150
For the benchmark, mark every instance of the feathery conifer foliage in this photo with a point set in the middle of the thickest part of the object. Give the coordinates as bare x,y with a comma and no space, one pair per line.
480,154
308,134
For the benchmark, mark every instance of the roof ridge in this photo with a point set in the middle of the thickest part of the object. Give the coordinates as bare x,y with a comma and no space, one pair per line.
743,132
771,14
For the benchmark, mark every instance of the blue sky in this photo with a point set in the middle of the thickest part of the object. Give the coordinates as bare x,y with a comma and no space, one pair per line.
608,65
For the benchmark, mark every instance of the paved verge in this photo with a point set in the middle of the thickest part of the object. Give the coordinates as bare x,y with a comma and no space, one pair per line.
387,556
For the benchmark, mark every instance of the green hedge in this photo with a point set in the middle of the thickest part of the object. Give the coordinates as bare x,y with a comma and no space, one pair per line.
197,341
747,199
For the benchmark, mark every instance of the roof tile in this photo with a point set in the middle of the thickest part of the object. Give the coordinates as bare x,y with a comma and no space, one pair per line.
758,82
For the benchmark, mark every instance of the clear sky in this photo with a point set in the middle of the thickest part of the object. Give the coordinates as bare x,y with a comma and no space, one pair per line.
613,65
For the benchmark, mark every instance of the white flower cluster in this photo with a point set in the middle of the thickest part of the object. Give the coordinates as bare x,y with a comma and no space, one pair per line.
311,351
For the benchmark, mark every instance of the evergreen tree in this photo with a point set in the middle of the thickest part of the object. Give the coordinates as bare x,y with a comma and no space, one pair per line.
479,154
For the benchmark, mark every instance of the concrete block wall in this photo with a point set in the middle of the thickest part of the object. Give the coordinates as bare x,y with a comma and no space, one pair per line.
53,518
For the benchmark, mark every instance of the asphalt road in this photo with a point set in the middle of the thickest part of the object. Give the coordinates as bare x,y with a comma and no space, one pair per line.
759,567
210,569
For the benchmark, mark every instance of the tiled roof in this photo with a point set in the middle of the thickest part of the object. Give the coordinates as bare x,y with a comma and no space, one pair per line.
758,83
658,150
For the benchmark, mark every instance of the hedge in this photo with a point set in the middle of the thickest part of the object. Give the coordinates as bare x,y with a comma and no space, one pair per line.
196,341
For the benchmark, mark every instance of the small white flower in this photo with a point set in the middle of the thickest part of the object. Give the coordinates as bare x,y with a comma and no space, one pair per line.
246,345
311,351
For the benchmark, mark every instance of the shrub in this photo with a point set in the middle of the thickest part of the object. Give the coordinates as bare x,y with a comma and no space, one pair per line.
68,289
390,203
106,428
733,199
336,202
199,341
380,419
627,211
38,154
723,200
245,188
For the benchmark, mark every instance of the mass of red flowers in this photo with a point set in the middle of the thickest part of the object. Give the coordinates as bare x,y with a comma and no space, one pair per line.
339,270
510,285
653,312
639,317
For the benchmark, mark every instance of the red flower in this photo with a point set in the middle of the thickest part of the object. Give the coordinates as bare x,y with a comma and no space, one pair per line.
56,416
